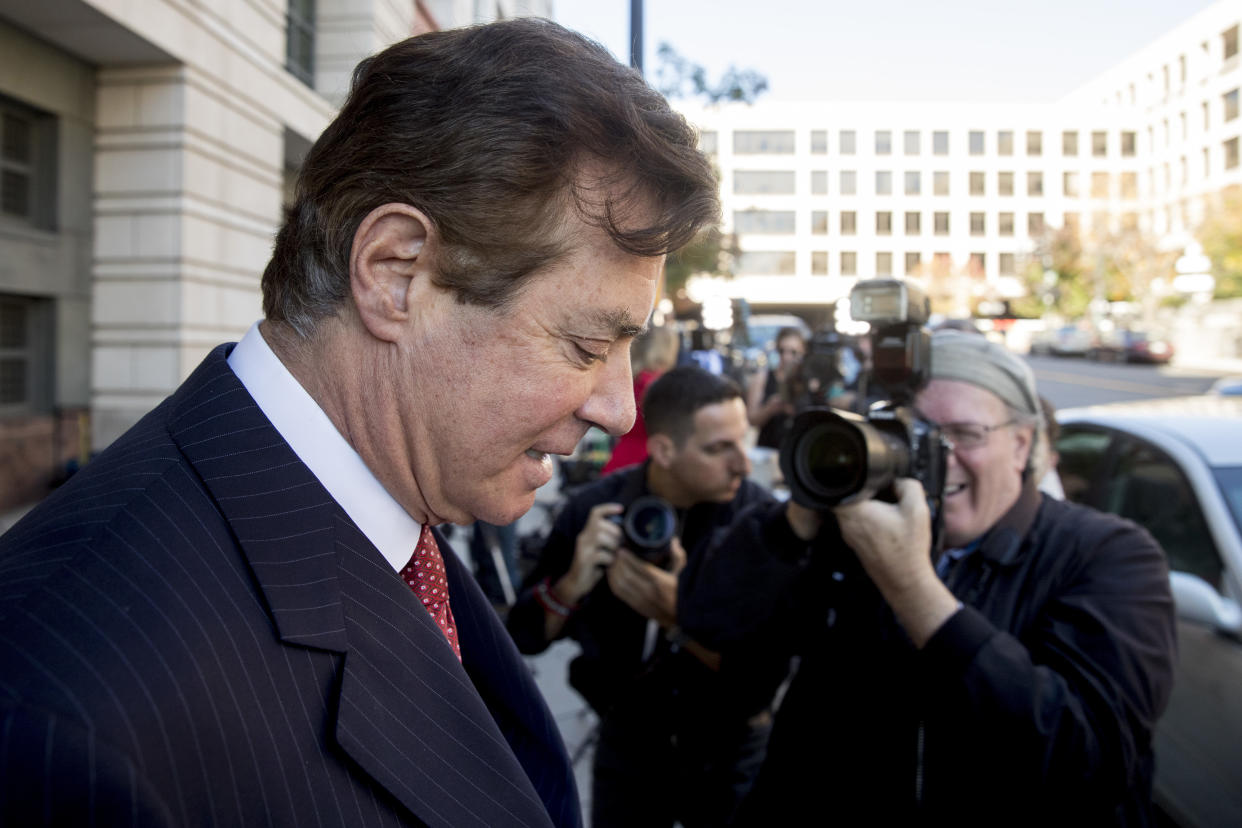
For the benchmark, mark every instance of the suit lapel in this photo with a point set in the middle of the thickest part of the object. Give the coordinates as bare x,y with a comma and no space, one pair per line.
408,714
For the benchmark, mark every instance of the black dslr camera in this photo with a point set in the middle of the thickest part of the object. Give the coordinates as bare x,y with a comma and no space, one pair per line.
649,525
831,457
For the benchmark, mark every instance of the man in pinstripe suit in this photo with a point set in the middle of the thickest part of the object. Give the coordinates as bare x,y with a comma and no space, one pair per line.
207,625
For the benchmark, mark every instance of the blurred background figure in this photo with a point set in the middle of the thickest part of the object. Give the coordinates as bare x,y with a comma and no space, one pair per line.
703,352
650,356
771,393
1044,462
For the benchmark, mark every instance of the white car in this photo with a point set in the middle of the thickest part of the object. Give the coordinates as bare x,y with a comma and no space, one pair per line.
1174,466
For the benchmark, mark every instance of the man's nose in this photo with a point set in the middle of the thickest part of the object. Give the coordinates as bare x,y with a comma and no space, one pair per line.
611,403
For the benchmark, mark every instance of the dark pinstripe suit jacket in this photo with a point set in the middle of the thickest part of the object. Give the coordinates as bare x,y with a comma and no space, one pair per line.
193,632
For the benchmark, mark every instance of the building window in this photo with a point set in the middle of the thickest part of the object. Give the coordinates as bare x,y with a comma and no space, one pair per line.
914,183
1099,185
1034,183
763,222
940,183
1069,143
1099,144
1004,183
978,224
27,164
1004,224
883,182
1034,142
709,142
1072,222
976,183
914,263
976,265
940,142
763,182
940,220
1231,153
976,142
300,40
1129,183
1207,162
910,142
765,263
1005,262
847,141
883,223
819,142
849,182
849,263
819,262
24,354
849,222
1035,225
1129,144
819,222
1229,38
1004,142
883,264
914,223
763,142
883,142
1230,100
819,182
1069,184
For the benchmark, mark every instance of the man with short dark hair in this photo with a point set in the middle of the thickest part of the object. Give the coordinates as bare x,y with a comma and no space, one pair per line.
239,613
682,729
1016,679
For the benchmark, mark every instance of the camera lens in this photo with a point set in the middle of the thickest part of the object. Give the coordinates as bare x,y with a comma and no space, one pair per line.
831,459
650,523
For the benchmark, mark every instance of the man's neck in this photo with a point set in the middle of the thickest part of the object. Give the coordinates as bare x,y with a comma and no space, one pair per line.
660,483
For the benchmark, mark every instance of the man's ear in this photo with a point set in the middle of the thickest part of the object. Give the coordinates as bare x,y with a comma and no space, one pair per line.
390,254
1024,444
661,449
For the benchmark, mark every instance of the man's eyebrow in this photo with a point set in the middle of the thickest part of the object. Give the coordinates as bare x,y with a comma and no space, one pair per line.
618,322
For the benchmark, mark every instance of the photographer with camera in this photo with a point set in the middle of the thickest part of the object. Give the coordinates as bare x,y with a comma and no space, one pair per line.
1013,677
682,729
772,392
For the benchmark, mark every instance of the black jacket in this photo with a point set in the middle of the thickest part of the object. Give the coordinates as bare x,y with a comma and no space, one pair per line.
1035,701
611,673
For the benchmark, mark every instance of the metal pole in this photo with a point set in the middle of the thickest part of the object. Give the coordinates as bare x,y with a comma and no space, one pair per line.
636,35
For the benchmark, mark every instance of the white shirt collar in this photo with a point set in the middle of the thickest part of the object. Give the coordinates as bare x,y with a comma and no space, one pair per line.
317,443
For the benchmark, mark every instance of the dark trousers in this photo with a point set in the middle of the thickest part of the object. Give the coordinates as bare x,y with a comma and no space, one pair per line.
648,773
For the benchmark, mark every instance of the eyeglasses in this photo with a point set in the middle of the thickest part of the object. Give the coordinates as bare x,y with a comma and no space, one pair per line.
970,435
966,436
797,352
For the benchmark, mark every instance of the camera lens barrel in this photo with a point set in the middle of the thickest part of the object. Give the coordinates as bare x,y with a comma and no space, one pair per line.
832,457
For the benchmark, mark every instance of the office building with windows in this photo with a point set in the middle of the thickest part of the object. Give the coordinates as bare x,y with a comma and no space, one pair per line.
146,150
959,194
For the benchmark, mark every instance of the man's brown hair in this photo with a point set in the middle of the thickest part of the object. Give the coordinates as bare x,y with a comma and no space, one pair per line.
494,132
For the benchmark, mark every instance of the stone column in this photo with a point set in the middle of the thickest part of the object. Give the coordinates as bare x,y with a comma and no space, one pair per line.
188,178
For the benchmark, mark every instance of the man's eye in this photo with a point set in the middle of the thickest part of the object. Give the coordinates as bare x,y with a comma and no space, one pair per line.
589,356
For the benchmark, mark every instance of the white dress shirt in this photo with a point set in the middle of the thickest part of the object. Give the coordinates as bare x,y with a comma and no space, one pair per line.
318,444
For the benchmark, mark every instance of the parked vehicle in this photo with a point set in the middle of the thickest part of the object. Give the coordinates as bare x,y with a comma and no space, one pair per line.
1131,346
1067,340
1175,467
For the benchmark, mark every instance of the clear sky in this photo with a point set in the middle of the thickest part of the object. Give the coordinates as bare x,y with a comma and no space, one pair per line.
895,50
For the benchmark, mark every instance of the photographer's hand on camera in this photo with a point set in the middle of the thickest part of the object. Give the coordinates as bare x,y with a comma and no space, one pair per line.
893,544
648,590
594,549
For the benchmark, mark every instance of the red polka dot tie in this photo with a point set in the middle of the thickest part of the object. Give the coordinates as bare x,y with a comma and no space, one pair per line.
425,575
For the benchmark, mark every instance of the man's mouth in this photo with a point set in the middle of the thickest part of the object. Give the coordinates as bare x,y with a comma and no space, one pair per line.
954,488
540,456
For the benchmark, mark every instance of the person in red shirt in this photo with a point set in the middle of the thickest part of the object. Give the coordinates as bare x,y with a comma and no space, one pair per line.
651,355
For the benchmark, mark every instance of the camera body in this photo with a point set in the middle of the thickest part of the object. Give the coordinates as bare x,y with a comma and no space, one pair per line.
649,524
831,457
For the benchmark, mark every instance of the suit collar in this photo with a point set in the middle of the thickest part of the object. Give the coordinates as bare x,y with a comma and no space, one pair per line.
408,713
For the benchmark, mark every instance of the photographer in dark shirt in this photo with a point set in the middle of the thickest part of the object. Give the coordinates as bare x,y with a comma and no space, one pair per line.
1013,679
682,729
